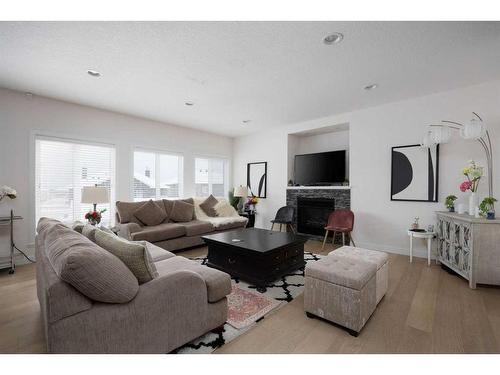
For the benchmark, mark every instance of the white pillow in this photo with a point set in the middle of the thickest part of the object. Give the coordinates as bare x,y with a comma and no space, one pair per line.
224,209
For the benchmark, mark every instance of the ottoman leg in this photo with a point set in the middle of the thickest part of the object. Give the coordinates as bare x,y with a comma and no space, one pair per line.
310,316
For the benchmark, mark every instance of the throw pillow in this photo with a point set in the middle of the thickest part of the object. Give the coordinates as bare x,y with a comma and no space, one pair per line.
181,211
134,255
224,209
150,213
89,231
208,206
78,226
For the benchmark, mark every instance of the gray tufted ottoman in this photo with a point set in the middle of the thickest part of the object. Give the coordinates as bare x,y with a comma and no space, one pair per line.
341,290
380,258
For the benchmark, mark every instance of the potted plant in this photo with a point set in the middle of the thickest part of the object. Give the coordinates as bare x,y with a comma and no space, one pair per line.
487,208
450,202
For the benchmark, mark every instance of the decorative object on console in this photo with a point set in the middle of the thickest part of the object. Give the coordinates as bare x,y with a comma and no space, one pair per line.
251,203
94,195
473,130
414,173
450,202
487,208
473,174
240,192
461,208
6,191
257,179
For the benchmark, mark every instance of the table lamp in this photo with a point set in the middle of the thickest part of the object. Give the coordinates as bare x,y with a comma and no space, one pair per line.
95,195
240,192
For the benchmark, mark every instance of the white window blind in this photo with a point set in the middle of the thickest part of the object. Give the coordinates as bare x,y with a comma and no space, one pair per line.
63,168
211,177
157,175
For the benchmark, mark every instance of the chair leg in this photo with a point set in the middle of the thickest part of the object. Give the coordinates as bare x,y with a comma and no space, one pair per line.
292,228
343,239
333,239
272,226
281,227
324,241
351,239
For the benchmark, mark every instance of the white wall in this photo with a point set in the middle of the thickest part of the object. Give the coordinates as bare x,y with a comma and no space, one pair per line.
380,222
22,117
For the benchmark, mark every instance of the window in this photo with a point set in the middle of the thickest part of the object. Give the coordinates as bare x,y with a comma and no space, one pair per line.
157,175
63,168
211,177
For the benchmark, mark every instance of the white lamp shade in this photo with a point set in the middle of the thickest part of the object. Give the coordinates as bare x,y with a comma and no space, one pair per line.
95,194
240,191
441,134
473,130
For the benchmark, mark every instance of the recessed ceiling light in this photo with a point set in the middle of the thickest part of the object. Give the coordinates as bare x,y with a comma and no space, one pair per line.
93,73
189,103
370,87
333,38
246,121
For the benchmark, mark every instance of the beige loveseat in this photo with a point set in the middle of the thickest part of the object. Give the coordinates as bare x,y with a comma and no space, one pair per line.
92,303
169,234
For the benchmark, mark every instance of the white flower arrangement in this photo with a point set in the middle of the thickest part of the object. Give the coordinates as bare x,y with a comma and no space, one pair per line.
6,191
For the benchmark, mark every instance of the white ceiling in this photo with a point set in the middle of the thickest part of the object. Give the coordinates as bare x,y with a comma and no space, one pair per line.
273,73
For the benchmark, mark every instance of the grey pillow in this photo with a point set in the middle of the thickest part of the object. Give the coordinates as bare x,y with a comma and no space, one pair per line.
208,206
150,213
181,211
78,226
89,231
135,255
93,271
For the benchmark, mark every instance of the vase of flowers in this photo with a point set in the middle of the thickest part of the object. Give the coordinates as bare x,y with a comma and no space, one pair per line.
252,202
94,217
473,173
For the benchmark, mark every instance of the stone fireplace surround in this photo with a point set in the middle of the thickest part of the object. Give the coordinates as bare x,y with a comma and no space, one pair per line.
341,195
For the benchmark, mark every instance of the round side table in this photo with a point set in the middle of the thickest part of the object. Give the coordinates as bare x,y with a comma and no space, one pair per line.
427,235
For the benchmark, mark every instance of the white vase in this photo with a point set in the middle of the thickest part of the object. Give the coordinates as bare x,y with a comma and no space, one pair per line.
473,203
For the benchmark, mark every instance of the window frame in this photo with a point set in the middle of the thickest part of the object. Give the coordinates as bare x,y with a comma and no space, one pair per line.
227,171
66,138
157,152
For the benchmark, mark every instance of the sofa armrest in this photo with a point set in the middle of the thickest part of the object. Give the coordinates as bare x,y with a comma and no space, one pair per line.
126,230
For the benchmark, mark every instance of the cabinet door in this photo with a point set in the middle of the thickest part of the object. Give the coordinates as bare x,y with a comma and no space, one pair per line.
466,243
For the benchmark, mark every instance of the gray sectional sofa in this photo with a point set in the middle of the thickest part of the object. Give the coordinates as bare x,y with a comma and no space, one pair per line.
91,302
172,234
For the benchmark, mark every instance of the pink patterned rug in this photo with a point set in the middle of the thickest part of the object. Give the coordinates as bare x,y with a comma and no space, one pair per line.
245,307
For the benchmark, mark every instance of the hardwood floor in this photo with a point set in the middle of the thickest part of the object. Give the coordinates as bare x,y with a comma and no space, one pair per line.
426,310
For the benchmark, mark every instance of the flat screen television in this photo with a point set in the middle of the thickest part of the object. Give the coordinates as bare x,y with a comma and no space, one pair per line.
325,168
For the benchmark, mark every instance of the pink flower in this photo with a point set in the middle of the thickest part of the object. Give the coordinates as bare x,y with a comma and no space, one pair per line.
464,186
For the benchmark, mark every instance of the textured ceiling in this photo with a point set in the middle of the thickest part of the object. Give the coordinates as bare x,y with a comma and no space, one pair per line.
272,73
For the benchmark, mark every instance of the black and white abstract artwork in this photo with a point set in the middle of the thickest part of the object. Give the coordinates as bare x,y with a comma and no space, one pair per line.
257,179
414,173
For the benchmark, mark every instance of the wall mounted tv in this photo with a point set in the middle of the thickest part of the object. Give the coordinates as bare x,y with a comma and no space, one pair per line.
325,168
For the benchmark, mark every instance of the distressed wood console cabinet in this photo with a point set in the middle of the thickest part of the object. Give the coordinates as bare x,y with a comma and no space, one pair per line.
470,247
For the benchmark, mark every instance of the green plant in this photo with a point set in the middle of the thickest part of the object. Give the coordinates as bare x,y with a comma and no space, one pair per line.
487,205
450,201
233,201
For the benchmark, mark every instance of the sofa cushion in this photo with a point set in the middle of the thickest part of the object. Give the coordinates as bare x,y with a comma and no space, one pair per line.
224,209
159,232
342,271
135,256
169,204
156,252
125,211
218,282
197,228
181,211
150,213
93,271
208,206
89,231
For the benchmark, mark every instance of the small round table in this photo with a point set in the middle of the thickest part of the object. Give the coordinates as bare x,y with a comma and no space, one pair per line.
427,235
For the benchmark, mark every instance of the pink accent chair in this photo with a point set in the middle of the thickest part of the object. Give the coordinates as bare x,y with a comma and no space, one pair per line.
340,221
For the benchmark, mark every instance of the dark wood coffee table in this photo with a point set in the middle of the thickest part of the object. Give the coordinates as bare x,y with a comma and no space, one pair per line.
255,255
